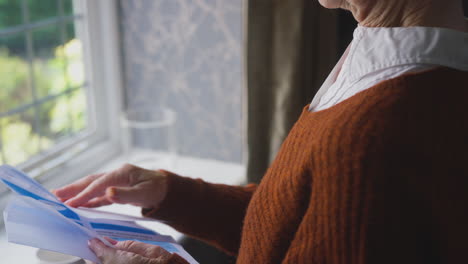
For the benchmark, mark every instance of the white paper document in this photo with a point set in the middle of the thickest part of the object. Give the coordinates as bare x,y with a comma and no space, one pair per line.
35,217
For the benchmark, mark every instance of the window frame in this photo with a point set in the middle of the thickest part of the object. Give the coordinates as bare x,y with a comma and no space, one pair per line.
103,70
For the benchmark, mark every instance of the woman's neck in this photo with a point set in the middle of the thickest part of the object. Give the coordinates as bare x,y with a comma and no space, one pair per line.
408,13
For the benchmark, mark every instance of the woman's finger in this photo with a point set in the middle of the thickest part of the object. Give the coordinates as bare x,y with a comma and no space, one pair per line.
143,249
103,252
124,176
97,202
127,195
69,191
112,241
96,189
109,255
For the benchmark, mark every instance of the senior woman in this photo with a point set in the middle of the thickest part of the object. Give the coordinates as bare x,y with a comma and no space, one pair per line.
374,171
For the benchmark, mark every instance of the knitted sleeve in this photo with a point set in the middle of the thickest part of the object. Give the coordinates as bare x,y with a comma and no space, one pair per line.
210,212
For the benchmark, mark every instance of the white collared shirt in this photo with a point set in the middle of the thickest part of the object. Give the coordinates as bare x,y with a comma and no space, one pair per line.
378,54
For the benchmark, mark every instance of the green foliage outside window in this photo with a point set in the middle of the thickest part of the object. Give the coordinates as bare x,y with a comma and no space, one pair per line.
11,15
58,118
51,69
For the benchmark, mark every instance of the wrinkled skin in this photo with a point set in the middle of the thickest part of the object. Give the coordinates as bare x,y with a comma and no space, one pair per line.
129,252
126,185
404,13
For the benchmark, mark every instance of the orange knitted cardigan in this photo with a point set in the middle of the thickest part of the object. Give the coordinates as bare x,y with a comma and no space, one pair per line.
381,177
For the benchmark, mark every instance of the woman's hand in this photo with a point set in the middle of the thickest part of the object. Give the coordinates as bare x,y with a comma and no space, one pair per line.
126,185
130,252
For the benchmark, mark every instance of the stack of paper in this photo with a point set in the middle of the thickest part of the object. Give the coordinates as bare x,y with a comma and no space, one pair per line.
35,217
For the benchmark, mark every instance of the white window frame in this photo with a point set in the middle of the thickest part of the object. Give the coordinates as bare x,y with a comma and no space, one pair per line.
103,71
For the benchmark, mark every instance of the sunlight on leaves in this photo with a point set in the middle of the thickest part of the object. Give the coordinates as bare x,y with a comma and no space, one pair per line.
59,118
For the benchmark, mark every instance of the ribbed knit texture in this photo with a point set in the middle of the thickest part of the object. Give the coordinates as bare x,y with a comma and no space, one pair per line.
382,177
211,212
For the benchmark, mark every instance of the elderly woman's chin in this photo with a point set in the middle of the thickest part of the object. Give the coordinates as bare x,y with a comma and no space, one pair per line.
331,3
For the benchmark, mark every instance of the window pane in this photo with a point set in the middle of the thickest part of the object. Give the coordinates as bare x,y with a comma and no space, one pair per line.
55,119
68,7
43,9
19,137
41,71
78,108
14,73
63,117
49,61
11,13
73,52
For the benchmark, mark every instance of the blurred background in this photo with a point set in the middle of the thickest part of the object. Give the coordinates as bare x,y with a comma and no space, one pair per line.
185,55
42,95
233,74
194,57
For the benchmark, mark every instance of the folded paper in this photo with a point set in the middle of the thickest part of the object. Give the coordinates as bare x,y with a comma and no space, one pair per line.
35,217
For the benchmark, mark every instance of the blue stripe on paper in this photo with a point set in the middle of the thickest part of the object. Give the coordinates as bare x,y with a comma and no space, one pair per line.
122,228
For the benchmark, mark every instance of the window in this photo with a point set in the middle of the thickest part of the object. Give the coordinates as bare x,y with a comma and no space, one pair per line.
43,100
59,85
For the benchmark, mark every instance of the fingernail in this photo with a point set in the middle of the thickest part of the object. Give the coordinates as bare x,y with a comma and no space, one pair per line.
111,193
112,241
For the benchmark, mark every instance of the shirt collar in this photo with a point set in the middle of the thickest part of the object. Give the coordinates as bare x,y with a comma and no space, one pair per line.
374,49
